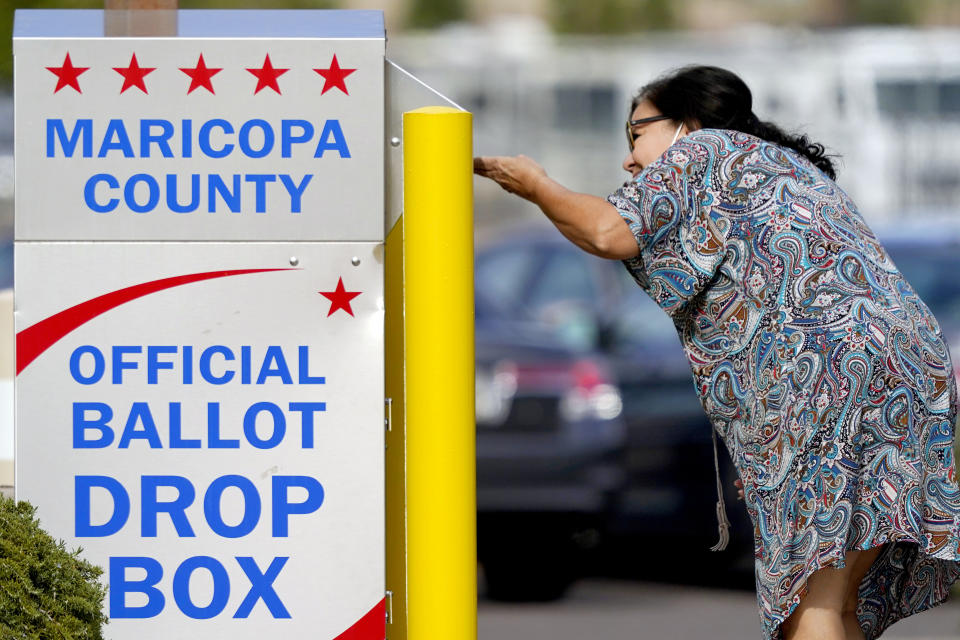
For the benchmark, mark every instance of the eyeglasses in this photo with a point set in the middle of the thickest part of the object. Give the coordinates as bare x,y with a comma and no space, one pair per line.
632,123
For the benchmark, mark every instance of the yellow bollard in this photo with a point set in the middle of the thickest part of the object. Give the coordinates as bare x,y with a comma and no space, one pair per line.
437,598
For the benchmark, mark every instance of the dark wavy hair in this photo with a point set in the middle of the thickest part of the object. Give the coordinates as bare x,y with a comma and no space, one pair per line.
708,97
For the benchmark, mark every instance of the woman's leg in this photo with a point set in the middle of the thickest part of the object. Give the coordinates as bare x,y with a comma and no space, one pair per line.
860,567
820,614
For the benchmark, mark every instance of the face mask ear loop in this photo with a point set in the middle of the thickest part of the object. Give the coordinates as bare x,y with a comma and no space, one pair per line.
676,134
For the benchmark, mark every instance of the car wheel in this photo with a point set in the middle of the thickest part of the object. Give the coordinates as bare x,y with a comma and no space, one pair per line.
531,557
527,577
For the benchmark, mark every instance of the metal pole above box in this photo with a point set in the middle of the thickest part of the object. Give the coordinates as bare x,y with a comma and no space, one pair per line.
199,278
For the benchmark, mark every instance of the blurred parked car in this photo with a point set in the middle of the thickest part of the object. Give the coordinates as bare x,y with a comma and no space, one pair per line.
549,435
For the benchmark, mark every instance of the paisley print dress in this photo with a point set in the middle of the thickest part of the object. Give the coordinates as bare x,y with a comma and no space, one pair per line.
826,376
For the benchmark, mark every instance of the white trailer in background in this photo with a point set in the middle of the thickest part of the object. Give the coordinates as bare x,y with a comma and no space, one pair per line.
886,99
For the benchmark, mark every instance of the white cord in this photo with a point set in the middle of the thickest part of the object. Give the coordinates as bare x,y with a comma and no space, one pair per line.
723,524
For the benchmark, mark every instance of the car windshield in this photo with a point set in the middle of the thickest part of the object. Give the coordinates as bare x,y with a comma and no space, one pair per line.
569,294
640,320
551,286
501,276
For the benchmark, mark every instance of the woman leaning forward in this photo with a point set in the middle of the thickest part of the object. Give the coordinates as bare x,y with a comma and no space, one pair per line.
825,375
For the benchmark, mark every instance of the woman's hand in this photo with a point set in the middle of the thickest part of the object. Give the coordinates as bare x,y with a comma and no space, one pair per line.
516,174
739,484
591,223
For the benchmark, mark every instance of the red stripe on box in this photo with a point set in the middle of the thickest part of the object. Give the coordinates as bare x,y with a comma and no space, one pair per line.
37,338
372,626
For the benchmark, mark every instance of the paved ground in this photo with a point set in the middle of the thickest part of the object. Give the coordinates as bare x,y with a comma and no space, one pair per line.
619,609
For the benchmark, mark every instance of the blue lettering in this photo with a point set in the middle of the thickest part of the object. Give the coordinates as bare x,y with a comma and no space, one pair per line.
140,414
250,425
120,586
154,364
295,190
216,185
181,587
268,138
212,506
186,138
99,365
153,193
303,358
187,364
177,508
81,424
282,508
206,373
204,138
245,364
162,140
274,356
172,201
115,138
287,139
213,429
82,133
261,587
260,181
119,364
331,128
176,426
82,527
307,409
90,193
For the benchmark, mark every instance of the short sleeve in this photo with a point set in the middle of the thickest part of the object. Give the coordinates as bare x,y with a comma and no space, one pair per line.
669,207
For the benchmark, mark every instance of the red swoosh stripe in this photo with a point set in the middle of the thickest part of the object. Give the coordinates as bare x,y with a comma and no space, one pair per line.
372,626
38,337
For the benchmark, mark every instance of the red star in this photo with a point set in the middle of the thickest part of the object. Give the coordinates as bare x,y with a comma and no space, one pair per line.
267,76
200,75
67,74
333,76
339,298
134,74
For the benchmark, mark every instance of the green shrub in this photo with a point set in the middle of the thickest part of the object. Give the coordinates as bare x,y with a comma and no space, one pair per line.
46,592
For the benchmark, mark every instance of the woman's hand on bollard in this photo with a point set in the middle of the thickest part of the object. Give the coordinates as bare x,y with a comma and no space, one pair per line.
516,174
739,484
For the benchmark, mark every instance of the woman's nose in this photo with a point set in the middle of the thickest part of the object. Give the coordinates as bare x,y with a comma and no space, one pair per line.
629,164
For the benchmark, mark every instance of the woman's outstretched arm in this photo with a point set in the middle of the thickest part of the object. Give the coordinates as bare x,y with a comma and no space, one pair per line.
591,223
